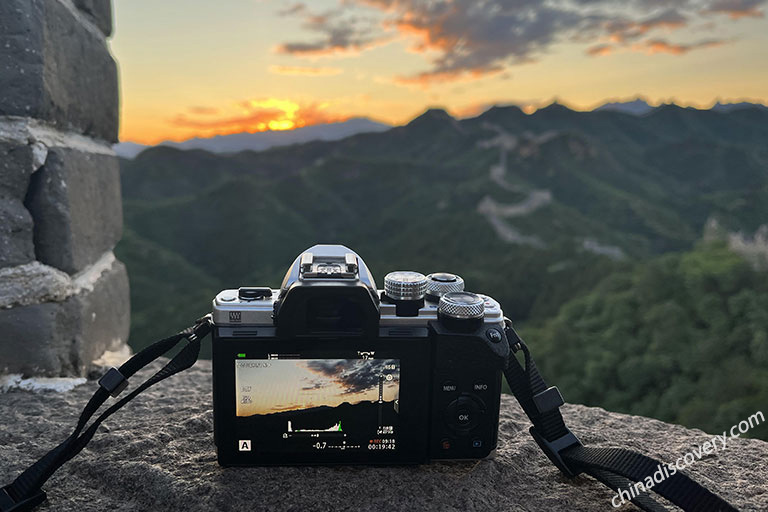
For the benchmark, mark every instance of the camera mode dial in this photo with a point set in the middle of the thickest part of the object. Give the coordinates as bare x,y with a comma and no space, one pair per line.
405,285
440,283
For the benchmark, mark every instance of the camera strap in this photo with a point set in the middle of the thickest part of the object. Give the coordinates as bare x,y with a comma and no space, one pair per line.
25,493
617,468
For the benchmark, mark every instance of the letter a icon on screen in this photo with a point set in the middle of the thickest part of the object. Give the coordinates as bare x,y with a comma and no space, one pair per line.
244,445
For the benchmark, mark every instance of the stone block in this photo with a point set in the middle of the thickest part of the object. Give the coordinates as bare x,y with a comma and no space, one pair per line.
75,202
62,338
17,163
15,233
105,312
99,12
56,68
38,339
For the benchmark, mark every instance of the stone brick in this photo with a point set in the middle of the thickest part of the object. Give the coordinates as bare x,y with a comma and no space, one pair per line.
63,338
56,68
15,233
75,202
17,163
99,12
38,339
105,312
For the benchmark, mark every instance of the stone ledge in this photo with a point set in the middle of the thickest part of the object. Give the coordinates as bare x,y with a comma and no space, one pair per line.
61,338
158,454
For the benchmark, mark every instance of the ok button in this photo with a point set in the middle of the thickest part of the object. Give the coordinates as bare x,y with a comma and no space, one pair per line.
463,414
463,417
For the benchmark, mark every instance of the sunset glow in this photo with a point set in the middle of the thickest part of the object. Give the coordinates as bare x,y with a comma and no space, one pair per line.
191,70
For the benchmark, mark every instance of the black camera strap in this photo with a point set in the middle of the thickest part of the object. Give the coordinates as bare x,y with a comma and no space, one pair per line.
25,493
614,467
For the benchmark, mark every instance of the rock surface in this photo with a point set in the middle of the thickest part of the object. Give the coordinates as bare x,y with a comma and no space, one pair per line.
158,454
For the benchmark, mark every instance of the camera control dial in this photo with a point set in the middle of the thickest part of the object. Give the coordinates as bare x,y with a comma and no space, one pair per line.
440,283
461,306
405,285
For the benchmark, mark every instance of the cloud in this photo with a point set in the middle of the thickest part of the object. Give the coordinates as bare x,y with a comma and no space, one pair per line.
653,46
471,39
304,71
622,30
339,33
600,50
259,115
737,9
354,376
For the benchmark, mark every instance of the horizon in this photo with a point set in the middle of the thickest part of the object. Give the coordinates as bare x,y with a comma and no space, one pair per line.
526,109
270,66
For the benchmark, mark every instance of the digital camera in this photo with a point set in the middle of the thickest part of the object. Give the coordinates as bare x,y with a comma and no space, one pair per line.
330,370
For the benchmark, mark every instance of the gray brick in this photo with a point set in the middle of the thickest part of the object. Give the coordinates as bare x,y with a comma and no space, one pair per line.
17,163
54,67
38,339
63,338
75,202
15,233
105,313
99,12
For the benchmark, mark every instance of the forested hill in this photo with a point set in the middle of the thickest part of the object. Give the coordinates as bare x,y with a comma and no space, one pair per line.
534,210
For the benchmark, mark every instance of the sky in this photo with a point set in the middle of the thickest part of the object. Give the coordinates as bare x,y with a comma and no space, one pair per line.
196,68
279,385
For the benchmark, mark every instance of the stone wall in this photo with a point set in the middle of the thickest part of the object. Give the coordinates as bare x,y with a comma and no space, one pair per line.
63,295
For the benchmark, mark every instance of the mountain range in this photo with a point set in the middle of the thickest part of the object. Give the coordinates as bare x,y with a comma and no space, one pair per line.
640,106
260,141
549,201
263,140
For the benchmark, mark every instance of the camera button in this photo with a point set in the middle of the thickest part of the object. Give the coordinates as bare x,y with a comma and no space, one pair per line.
463,414
445,444
463,417
477,443
494,335
448,387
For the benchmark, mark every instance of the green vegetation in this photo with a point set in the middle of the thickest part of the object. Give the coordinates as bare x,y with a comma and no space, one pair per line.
613,320
682,338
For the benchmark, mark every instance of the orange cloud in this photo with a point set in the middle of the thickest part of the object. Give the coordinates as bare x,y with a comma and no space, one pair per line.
600,50
261,115
304,71
654,46
427,78
737,9
200,110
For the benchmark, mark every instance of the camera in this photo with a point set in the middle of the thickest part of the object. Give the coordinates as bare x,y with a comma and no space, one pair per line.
328,369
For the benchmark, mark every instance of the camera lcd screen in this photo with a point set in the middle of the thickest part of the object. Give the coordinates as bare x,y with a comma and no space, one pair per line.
291,405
